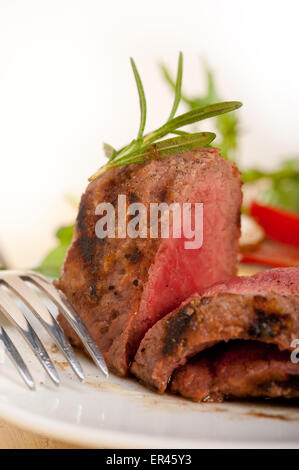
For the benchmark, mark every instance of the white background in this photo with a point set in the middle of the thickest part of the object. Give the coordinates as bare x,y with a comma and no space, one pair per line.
66,85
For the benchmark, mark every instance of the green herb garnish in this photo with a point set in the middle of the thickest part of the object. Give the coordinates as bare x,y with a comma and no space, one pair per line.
226,124
142,100
52,263
177,88
284,185
149,146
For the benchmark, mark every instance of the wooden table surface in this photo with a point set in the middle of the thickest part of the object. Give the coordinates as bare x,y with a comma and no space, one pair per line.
12,437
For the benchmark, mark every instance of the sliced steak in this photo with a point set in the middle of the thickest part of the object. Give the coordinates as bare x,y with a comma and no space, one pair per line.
122,286
238,369
263,307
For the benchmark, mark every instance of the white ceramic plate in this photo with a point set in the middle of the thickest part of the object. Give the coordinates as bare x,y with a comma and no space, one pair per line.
116,412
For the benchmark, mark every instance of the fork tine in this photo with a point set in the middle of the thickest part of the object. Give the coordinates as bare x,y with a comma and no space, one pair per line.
16,358
10,309
73,318
34,303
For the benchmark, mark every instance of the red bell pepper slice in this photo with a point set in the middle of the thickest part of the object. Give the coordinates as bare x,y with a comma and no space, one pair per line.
278,224
271,253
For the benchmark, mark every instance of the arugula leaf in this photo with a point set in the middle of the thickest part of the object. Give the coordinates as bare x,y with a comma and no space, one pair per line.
52,263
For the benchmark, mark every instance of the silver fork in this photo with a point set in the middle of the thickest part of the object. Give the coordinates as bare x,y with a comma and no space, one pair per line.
30,287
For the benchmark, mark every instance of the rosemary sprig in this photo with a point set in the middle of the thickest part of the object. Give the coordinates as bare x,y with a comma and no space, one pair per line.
227,125
142,100
150,146
178,88
168,147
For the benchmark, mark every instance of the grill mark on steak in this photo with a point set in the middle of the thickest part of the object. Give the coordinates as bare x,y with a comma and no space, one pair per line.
266,325
176,326
133,197
87,248
81,215
93,290
163,194
135,255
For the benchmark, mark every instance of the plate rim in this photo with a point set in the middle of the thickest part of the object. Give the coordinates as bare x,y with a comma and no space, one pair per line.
102,438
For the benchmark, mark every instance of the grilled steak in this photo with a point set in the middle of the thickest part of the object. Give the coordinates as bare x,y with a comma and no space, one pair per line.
122,286
263,307
238,369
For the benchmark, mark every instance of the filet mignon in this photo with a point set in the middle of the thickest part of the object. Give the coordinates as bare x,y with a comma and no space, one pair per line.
122,286
238,369
263,307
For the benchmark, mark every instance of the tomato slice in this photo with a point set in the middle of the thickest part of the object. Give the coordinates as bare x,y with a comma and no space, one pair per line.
272,253
278,224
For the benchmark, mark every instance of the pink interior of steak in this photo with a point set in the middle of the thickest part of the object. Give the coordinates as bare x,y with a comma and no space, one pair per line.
238,369
178,272
283,281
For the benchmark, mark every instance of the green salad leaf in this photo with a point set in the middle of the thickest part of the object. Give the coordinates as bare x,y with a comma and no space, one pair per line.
52,263
284,185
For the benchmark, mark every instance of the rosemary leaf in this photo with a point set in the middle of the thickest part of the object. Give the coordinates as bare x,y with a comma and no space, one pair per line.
170,81
108,150
227,125
183,143
142,100
168,147
178,88
180,132
190,117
